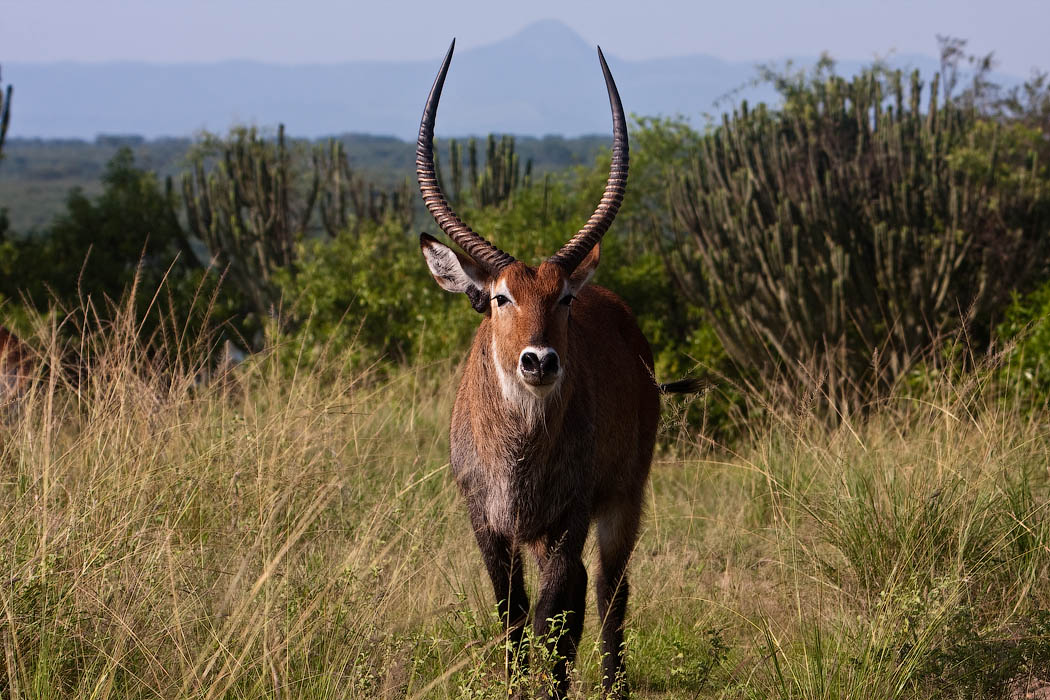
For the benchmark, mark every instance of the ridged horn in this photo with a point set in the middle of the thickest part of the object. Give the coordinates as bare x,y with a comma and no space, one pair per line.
573,252
484,253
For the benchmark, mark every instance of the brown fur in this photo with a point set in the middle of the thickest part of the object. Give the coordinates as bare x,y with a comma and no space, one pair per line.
536,476
17,365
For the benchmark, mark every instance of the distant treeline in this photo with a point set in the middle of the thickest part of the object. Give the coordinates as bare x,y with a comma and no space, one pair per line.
38,173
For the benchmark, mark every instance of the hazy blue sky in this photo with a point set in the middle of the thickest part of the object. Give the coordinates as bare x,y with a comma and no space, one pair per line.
325,31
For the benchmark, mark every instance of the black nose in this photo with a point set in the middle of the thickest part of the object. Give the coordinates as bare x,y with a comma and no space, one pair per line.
538,367
530,364
549,364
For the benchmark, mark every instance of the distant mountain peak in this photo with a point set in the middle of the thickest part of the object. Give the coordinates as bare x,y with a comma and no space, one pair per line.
544,37
548,30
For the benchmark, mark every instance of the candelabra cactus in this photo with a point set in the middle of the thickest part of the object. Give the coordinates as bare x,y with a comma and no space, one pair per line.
346,202
250,210
491,185
251,201
334,200
835,241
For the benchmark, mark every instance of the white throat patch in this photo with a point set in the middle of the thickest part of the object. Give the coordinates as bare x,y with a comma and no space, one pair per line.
530,405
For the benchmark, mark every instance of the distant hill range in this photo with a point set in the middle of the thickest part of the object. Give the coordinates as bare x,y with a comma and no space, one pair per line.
543,80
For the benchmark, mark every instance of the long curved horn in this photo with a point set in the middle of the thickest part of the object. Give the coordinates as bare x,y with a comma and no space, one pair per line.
484,253
573,252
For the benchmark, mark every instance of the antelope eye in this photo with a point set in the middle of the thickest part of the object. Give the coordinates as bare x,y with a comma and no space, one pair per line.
566,300
500,300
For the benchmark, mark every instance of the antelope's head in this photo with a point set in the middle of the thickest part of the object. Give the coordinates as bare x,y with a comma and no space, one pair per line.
529,307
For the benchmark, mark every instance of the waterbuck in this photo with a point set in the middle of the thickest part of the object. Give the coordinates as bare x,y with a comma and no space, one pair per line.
556,414
18,365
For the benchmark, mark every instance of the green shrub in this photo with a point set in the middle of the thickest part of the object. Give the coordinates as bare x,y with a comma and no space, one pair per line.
372,291
1025,331
834,242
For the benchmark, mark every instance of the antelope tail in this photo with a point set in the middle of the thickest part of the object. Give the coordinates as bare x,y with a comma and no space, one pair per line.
689,385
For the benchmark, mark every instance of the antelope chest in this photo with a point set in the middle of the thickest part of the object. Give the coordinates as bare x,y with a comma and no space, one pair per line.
522,493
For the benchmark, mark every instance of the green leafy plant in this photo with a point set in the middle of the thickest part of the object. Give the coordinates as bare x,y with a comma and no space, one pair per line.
1025,334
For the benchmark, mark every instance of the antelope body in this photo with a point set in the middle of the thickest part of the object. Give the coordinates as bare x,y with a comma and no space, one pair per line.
18,364
556,414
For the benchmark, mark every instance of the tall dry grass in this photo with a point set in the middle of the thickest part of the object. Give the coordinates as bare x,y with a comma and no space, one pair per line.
285,533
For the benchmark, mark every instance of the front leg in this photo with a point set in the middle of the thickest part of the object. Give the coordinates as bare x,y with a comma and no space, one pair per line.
504,564
563,594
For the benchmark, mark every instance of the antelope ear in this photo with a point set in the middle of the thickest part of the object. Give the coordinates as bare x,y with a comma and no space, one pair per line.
456,273
585,270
